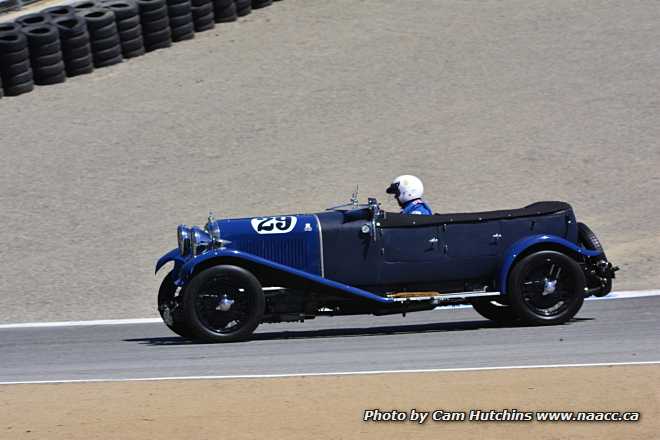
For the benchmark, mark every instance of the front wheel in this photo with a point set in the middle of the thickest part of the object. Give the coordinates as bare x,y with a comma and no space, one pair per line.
170,308
223,304
494,310
546,287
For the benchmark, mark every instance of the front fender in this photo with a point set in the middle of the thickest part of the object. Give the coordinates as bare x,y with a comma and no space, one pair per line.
172,255
522,245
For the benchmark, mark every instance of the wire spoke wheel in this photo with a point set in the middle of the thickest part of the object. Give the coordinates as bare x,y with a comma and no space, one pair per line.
546,287
171,309
224,303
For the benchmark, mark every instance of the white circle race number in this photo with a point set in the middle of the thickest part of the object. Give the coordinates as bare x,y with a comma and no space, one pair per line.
274,225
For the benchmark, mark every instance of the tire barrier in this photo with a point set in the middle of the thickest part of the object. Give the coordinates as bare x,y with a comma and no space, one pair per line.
15,68
224,11
202,13
243,7
127,16
45,54
181,19
64,41
76,46
103,36
155,21
257,4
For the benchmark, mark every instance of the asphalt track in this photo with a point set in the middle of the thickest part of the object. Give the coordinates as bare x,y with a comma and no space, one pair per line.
610,331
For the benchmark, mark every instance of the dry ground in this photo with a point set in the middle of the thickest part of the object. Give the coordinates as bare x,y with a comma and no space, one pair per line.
332,407
495,104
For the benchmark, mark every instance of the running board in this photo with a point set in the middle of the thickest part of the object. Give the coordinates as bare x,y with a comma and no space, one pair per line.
399,297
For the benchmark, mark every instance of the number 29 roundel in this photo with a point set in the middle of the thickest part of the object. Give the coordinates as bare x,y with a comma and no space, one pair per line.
274,225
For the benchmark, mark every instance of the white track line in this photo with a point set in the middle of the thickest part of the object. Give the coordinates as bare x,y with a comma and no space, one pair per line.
614,295
335,373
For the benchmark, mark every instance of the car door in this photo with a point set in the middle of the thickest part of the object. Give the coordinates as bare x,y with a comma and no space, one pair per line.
470,250
410,254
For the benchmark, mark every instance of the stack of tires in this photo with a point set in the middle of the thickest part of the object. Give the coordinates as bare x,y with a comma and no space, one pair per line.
103,35
202,13
224,11
45,54
76,46
256,4
181,19
127,16
15,70
155,22
243,7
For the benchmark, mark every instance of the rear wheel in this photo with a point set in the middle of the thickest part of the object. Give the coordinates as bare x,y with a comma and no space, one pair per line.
494,310
223,304
546,287
170,308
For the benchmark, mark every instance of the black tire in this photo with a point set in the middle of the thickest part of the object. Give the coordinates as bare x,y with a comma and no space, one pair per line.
18,89
163,35
134,53
9,27
80,40
130,46
77,52
149,27
47,71
57,78
79,63
21,78
59,11
178,36
258,4
129,23
16,68
105,43
79,71
181,20
245,312
179,9
40,35
204,25
494,310
46,49
198,3
171,309
104,32
10,58
243,7
46,60
162,44
202,11
34,19
98,18
131,34
12,42
531,293
85,5
123,9
150,5
588,239
156,14
107,54
105,62
70,27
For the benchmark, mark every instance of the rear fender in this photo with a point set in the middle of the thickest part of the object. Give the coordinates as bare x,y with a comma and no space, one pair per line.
520,247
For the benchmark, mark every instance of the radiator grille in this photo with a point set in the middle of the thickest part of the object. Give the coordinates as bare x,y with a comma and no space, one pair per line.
290,252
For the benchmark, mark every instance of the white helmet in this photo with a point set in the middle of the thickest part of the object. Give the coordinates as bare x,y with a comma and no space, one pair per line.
406,188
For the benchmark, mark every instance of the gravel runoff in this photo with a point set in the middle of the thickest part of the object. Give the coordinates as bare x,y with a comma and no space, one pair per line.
495,104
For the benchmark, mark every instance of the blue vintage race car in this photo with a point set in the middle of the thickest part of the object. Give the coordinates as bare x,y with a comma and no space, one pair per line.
533,265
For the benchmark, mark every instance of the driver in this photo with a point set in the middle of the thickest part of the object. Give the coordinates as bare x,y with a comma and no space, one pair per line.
408,192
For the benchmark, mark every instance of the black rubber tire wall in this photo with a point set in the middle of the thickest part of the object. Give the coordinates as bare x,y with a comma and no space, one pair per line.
181,19
103,35
76,46
129,27
155,34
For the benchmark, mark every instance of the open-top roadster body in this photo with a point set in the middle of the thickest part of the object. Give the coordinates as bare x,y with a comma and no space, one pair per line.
533,265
